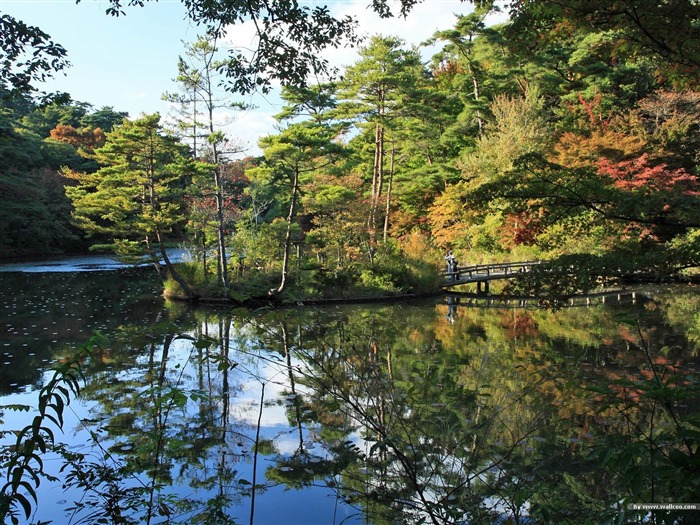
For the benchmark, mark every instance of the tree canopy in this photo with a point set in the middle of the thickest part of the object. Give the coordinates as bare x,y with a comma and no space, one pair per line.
562,135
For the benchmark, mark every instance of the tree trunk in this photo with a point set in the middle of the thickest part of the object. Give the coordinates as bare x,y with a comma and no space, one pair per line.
377,181
388,192
220,233
477,95
288,235
218,184
191,295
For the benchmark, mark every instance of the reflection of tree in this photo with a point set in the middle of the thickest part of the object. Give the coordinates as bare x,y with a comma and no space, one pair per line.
493,420
408,416
427,456
164,419
683,311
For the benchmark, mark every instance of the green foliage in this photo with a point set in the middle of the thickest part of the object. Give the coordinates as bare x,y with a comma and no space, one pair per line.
136,194
24,466
258,245
547,136
35,215
379,280
27,56
659,442
668,31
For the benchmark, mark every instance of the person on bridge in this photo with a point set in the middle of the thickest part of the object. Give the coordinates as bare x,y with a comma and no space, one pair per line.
451,265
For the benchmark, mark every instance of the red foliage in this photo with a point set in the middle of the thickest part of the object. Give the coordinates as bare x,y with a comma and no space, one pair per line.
638,174
640,232
203,207
590,108
522,228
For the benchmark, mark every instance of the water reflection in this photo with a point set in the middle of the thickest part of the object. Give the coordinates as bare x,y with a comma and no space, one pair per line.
412,413
79,263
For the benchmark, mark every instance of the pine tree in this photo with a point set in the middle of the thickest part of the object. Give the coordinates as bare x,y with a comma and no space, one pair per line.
135,198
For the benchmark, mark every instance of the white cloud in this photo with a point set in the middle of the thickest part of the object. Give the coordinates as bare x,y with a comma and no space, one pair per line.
420,24
242,36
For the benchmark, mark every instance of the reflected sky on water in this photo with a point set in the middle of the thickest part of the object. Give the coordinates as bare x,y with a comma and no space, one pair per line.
428,410
77,263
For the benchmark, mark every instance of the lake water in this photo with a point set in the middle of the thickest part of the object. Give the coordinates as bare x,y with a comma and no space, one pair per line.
438,411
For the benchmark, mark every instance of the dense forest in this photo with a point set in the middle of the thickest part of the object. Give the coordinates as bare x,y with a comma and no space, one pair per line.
565,135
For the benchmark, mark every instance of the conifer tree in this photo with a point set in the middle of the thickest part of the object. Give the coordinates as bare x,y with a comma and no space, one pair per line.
299,150
135,197
201,103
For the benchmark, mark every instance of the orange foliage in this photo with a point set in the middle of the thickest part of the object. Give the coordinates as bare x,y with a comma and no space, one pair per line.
446,218
602,139
449,69
86,139
522,325
577,151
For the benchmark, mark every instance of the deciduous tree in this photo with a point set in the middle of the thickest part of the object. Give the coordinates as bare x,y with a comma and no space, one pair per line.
27,56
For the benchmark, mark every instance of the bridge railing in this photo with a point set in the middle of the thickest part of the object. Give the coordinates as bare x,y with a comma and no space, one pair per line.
490,270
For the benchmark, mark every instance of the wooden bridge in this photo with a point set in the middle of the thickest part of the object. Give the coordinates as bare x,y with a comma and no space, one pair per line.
484,273
467,299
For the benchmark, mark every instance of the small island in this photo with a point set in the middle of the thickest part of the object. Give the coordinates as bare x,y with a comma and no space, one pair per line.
364,188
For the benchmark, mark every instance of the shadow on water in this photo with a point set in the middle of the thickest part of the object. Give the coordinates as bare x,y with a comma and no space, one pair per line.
423,412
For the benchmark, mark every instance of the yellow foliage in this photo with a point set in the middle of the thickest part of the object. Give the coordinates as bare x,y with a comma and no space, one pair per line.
578,151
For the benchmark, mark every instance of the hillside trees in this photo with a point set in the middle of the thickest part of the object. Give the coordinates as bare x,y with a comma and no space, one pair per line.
34,211
565,139
579,151
609,174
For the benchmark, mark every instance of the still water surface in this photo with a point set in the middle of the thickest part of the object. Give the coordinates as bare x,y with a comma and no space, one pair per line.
423,412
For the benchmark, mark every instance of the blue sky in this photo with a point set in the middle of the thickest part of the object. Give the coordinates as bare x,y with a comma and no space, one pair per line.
129,62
